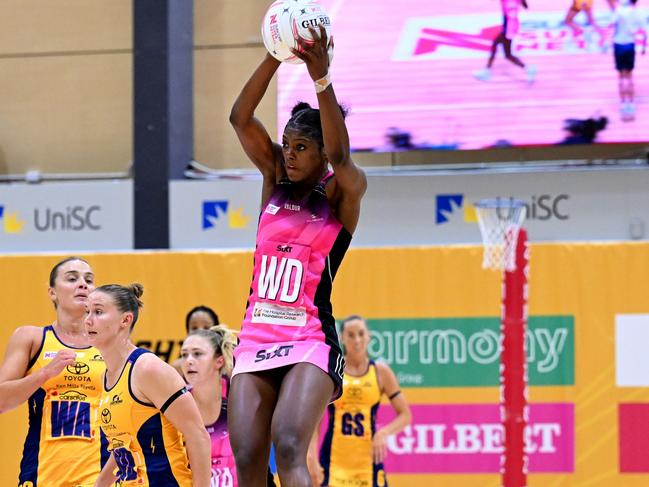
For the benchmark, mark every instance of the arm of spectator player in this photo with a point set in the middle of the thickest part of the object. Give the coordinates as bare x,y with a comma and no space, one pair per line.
158,382
15,386
390,387
312,459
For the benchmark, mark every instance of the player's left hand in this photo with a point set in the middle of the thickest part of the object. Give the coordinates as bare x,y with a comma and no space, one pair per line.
315,54
379,446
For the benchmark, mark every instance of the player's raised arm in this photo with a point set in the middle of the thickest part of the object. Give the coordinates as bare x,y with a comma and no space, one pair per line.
252,134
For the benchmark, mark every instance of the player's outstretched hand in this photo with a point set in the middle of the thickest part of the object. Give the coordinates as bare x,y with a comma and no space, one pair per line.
315,54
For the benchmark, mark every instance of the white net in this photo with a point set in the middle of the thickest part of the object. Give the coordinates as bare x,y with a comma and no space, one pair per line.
500,220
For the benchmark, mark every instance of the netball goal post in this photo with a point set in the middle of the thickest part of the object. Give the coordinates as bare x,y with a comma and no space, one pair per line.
505,250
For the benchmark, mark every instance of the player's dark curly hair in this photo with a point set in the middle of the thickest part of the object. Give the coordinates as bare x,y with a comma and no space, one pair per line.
306,119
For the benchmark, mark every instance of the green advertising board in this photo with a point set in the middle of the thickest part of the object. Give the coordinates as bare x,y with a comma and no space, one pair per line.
461,352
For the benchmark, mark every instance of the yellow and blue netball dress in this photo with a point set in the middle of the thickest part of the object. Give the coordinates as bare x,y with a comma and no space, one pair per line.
147,448
346,451
64,446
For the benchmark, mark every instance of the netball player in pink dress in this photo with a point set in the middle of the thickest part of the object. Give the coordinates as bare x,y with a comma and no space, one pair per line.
288,364
511,26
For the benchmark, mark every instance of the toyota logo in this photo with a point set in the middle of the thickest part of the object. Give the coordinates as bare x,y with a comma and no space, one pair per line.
78,368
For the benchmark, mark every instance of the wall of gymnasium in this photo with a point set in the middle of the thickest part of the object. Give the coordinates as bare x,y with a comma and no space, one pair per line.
589,317
66,83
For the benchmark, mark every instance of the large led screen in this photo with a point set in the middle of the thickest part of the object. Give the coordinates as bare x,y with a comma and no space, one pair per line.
407,70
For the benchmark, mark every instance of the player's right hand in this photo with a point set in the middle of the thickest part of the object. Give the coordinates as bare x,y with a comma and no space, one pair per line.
62,359
315,54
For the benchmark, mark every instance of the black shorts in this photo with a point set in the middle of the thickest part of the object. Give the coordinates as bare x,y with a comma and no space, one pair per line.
624,57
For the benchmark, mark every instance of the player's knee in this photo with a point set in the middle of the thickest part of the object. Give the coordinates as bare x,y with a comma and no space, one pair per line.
289,451
247,457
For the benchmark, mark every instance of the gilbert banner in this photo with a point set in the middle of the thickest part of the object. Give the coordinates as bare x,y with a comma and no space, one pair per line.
468,438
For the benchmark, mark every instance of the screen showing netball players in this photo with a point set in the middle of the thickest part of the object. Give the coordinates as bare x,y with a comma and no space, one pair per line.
481,73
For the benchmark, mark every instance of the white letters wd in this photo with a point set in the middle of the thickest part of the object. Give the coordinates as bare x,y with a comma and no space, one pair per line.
269,278
288,275
296,280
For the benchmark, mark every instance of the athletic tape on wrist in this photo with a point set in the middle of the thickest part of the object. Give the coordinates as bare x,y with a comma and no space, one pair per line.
322,83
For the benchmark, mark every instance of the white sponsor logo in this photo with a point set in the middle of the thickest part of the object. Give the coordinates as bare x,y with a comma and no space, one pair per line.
272,209
470,438
291,206
273,314
453,346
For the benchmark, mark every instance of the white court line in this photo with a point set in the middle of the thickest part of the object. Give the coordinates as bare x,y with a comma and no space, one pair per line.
289,85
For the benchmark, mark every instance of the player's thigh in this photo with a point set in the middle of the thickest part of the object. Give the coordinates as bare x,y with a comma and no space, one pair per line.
251,401
304,394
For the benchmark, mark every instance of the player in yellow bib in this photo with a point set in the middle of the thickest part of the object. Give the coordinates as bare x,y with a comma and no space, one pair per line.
586,6
144,405
353,450
59,375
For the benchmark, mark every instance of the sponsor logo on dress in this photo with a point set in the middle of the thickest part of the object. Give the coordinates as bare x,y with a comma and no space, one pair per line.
117,443
278,351
273,314
73,396
272,209
106,416
78,368
116,399
314,218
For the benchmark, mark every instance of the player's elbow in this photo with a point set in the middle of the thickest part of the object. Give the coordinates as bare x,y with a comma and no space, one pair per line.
235,117
238,117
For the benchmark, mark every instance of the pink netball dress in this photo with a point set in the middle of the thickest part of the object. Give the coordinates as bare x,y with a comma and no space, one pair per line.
511,24
288,319
224,470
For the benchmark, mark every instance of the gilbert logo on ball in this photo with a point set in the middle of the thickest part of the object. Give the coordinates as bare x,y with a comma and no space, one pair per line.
286,21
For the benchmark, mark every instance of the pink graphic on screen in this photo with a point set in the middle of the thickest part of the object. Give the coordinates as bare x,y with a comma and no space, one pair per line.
412,68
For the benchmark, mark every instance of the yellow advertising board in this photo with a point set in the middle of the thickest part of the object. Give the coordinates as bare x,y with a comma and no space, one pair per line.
434,314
